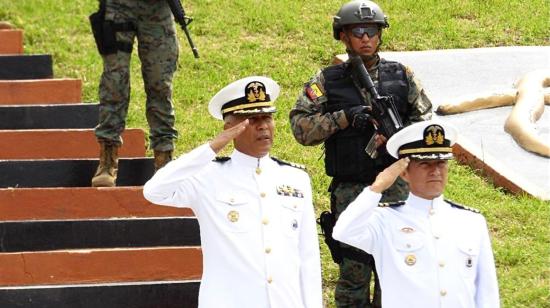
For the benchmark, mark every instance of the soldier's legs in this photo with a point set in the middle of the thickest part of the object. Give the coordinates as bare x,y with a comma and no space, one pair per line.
353,286
114,94
114,86
158,52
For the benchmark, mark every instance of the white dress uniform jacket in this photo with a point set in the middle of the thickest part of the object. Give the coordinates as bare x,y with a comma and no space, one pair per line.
427,253
257,226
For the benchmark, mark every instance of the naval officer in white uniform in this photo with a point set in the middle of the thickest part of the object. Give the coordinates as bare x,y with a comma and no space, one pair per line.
257,223
429,252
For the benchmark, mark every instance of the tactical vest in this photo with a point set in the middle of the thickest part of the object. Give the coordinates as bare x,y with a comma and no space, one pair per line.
345,156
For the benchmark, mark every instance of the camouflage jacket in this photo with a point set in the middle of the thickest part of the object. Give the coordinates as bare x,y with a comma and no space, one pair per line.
312,125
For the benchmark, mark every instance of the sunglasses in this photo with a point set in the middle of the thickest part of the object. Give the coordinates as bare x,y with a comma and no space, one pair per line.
360,31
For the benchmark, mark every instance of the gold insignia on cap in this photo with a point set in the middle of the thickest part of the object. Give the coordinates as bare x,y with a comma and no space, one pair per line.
233,216
255,92
410,260
434,134
407,230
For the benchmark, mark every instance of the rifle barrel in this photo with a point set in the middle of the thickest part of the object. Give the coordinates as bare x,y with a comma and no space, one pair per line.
183,21
190,41
357,62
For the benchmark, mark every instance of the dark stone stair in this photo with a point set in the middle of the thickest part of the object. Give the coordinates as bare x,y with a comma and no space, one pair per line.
49,116
108,233
26,67
70,173
143,295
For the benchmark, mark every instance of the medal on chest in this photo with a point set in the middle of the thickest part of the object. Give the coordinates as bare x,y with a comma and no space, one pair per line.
233,216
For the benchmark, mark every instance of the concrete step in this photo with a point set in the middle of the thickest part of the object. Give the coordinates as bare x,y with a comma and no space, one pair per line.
25,67
64,144
47,235
70,172
169,294
49,116
12,41
100,266
40,91
19,204
65,244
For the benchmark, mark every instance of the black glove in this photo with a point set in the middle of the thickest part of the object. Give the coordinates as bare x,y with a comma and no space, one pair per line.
358,117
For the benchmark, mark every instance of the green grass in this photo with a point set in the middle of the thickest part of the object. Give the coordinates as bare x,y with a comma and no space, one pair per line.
289,41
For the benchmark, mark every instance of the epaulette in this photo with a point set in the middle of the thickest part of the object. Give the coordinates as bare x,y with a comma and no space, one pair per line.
221,159
462,207
287,163
391,204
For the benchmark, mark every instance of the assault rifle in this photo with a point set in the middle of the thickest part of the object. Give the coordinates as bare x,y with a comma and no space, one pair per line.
183,21
384,112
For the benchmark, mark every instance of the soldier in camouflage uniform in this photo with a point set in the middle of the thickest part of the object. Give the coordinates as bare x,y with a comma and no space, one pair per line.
152,23
333,109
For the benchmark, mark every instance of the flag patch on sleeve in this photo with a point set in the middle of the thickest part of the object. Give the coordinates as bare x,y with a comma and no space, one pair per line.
313,91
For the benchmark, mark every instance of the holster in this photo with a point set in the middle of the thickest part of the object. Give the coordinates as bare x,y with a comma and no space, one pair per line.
104,36
327,220
105,32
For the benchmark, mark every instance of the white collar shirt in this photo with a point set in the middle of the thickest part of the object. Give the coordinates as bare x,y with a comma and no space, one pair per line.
257,226
427,253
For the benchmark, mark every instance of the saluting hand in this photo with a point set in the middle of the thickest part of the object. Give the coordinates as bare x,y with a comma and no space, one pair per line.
386,178
226,136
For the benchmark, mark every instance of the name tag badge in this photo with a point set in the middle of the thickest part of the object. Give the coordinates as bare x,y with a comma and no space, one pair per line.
294,224
469,262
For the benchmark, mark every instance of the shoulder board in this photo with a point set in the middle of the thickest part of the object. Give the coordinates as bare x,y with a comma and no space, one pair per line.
287,163
462,207
391,204
221,159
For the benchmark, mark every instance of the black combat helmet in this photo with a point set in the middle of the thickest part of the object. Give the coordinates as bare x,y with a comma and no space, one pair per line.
358,12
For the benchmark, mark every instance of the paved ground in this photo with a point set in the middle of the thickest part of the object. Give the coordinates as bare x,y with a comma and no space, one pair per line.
448,75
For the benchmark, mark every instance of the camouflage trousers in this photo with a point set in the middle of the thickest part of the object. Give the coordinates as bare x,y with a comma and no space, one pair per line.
353,286
158,54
